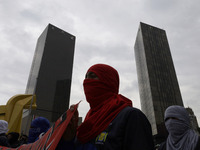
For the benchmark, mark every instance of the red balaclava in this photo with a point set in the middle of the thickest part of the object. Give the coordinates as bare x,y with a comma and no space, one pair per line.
105,102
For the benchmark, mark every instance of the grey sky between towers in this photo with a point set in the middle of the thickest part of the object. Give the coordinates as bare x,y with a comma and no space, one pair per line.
105,33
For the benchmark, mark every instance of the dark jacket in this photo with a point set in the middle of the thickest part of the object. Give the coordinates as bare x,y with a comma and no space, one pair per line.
4,140
130,130
13,139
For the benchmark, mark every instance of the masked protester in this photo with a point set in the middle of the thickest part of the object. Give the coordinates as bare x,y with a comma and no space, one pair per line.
111,123
13,139
181,136
3,131
39,126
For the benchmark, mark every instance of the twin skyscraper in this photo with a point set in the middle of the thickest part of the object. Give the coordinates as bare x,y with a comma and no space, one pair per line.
51,73
158,84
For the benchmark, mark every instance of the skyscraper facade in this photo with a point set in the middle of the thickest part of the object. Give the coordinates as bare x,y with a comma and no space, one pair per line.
193,120
158,84
51,72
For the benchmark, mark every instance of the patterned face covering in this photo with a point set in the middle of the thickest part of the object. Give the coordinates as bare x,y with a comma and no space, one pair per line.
105,102
181,136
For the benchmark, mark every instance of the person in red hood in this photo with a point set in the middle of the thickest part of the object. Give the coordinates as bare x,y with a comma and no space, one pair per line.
111,123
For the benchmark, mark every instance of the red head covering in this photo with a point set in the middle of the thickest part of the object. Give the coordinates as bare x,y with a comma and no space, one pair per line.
105,102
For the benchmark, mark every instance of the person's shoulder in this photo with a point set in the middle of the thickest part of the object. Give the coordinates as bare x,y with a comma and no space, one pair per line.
124,114
132,112
131,109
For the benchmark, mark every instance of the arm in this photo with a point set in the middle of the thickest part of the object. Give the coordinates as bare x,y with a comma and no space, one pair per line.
67,140
70,132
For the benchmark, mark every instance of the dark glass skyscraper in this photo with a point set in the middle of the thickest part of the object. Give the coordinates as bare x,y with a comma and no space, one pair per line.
51,72
158,85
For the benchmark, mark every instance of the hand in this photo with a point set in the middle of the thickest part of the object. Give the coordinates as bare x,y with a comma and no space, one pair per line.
70,131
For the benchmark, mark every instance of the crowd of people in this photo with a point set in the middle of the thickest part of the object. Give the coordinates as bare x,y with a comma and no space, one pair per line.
39,126
112,123
11,139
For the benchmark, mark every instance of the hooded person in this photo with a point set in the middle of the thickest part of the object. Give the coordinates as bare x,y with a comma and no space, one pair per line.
105,102
181,136
39,126
13,139
3,131
111,123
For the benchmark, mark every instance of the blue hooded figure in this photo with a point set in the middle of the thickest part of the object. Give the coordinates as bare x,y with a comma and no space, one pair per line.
38,126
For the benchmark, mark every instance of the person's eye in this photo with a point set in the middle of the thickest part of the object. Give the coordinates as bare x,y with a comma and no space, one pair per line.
91,75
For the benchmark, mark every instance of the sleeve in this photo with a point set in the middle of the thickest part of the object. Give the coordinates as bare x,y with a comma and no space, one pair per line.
138,133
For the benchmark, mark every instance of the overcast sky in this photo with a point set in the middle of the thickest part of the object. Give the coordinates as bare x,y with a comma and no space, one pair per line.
105,32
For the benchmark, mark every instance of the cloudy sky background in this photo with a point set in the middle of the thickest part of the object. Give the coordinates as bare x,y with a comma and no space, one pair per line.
105,33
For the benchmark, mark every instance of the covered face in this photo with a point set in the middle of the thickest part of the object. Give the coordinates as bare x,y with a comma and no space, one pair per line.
101,87
104,85
177,120
181,136
3,126
38,126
